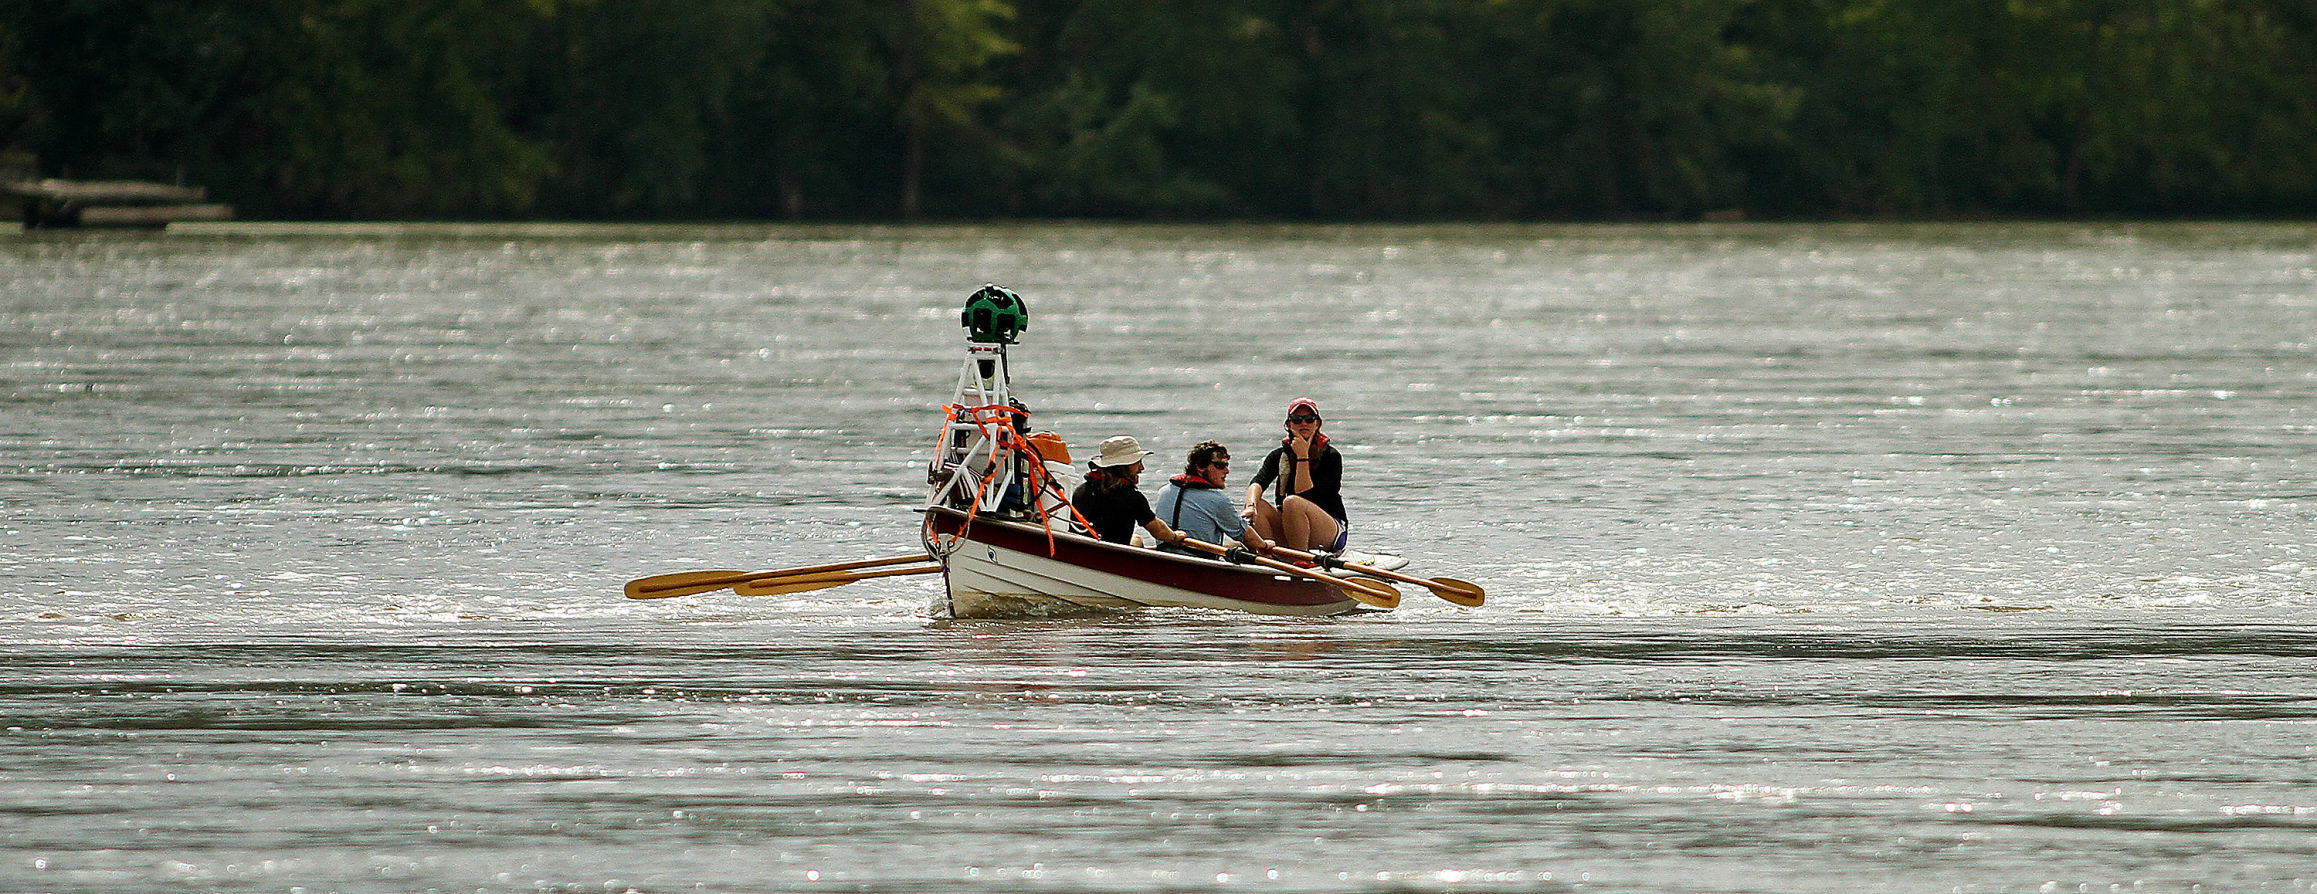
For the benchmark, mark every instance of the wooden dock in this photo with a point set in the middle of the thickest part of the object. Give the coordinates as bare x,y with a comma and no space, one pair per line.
111,203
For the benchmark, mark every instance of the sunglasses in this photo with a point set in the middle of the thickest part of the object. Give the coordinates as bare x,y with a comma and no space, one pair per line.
1221,464
1303,419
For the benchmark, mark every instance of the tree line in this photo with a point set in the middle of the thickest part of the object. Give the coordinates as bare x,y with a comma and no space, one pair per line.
1182,109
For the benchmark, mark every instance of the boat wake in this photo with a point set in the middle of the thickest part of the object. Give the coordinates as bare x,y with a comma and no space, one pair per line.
991,606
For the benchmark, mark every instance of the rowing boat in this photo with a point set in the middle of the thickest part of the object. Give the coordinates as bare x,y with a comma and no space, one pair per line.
998,518
1001,532
1005,567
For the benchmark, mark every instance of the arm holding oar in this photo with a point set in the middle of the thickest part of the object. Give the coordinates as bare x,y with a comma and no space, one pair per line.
1370,592
687,583
1457,591
1195,505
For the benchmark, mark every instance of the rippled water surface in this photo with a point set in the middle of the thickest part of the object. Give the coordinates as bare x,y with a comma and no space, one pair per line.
1820,558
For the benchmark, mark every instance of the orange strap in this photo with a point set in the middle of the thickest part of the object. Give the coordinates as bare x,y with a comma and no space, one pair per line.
983,418
995,425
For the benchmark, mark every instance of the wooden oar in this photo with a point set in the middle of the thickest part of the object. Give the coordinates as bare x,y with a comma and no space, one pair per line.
686,583
804,582
1460,592
1380,595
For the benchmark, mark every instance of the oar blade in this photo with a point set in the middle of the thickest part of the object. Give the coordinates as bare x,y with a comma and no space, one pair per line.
1370,592
1449,588
1461,592
683,583
1376,593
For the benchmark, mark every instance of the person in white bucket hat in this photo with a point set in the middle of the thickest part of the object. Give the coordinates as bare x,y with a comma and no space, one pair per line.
1109,498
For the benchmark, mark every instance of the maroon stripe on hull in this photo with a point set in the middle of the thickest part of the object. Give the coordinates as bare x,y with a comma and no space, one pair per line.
1208,576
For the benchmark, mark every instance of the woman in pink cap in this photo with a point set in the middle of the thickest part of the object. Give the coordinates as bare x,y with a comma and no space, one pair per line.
1309,475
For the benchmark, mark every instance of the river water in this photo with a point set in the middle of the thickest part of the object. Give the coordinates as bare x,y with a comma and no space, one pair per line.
1820,558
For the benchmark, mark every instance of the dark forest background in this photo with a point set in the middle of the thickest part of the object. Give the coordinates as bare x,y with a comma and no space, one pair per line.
1291,109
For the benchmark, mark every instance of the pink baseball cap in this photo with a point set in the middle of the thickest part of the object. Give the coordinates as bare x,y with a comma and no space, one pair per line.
1303,403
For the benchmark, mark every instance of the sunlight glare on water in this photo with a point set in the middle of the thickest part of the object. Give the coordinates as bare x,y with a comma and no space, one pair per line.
1819,558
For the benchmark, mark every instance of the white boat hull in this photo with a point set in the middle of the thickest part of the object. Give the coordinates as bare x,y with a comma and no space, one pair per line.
1009,568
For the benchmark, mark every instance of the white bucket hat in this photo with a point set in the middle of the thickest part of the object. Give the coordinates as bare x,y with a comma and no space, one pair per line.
1118,451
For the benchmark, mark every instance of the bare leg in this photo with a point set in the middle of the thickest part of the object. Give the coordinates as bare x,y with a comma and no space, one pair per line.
1306,526
1266,521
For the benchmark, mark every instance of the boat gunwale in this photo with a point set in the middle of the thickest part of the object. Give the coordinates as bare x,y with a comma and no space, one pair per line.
1207,577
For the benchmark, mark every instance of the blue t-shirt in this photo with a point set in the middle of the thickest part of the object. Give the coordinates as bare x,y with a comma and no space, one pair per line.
1205,513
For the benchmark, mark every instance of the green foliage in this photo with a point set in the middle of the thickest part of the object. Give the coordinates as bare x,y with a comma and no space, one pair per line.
1337,109
1111,159
1633,108
1172,109
16,106
936,54
634,100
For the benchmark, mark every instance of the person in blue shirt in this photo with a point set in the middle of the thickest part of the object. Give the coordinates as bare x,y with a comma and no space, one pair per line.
1195,503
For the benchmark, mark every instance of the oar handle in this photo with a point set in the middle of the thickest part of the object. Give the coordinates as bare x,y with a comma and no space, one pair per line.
801,582
688,582
841,566
1375,594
